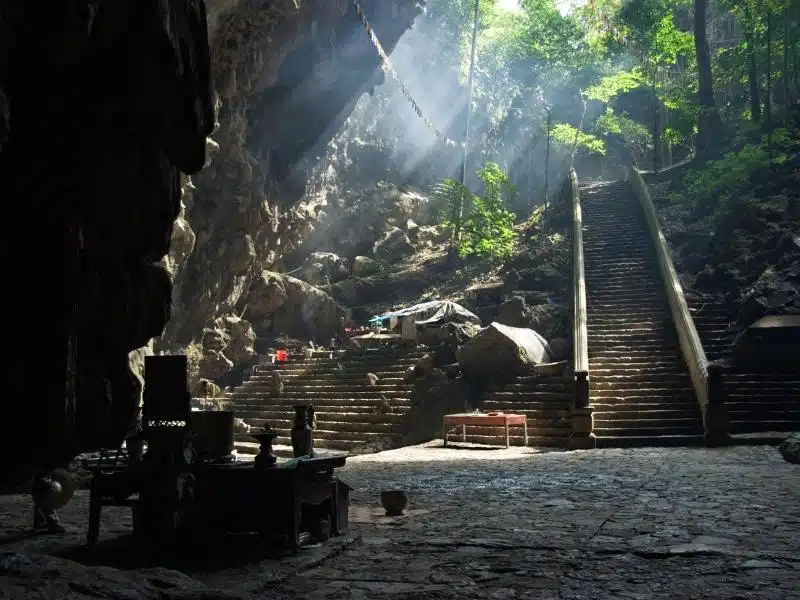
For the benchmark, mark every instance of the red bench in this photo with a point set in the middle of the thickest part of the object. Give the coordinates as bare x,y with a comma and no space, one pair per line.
484,420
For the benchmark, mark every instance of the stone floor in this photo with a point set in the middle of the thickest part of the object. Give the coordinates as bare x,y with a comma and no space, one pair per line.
517,523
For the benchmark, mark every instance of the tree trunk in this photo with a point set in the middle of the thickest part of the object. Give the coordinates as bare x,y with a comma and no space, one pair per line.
656,123
768,96
709,125
755,91
787,96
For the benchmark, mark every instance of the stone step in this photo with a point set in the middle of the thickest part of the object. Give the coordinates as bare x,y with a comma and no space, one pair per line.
339,426
647,411
247,447
305,387
739,427
527,396
637,425
640,392
389,370
607,440
595,336
633,353
638,364
655,429
294,395
626,370
616,311
640,322
284,419
389,376
763,378
322,404
357,437
656,350
642,379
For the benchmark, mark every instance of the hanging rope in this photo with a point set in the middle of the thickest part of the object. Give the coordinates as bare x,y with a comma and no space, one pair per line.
388,68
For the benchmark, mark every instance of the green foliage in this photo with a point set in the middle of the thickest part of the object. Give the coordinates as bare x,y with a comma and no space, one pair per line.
634,135
610,86
719,181
448,198
487,227
566,134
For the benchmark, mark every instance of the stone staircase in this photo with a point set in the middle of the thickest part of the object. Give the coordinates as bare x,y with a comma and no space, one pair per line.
756,402
544,400
348,412
640,388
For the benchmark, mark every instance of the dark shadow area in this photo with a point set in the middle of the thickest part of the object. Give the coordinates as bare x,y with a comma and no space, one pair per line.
190,557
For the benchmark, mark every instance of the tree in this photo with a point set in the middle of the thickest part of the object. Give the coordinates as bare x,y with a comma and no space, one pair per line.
709,125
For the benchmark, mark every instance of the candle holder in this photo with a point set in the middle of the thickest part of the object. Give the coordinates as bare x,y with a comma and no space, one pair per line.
265,458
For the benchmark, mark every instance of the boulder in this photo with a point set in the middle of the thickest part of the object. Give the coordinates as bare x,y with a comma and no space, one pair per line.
413,231
550,320
241,339
267,294
790,449
513,312
499,351
425,364
773,292
214,340
560,349
298,309
364,266
457,334
208,389
354,291
214,365
394,246
323,268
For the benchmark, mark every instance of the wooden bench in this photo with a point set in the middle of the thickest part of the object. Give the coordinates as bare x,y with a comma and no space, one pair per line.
484,420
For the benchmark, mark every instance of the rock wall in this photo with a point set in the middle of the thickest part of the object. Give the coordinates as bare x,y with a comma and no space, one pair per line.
102,106
286,76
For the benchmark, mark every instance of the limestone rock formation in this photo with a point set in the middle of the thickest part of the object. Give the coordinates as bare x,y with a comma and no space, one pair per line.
287,74
364,266
394,246
281,304
500,351
323,268
102,106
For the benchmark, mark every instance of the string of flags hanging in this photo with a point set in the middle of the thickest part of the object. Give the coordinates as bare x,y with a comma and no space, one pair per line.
387,67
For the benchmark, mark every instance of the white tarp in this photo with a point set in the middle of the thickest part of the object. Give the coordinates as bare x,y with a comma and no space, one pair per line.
500,349
428,313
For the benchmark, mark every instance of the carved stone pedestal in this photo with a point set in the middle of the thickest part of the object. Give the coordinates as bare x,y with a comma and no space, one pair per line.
582,437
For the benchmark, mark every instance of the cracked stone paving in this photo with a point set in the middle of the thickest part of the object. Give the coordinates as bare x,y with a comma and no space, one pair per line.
520,523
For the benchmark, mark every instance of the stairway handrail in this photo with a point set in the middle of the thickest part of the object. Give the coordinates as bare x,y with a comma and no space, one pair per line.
580,345
691,347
